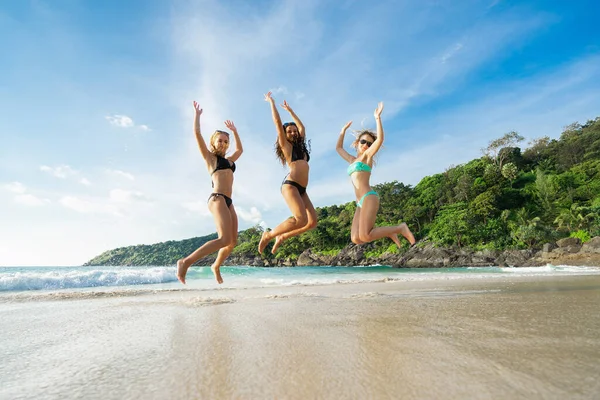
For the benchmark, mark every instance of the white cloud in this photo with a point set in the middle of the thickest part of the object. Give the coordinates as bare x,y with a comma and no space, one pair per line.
15,187
127,196
122,174
30,200
253,215
455,48
279,90
23,198
62,171
87,206
123,121
198,207
494,3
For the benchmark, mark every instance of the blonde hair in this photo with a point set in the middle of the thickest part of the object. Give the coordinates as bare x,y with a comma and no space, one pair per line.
213,149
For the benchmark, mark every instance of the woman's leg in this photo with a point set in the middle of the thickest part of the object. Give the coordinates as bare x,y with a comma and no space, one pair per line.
367,231
310,224
222,218
299,218
354,235
224,252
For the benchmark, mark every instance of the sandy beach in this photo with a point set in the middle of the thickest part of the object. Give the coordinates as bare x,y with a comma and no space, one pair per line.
514,337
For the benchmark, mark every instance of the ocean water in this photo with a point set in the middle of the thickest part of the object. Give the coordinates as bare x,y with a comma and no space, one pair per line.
303,332
118,279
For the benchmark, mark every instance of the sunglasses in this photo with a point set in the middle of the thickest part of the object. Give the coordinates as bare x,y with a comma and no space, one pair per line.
222,132
288,124
363,141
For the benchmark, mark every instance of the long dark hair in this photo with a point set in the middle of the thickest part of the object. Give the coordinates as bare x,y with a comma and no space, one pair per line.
299,141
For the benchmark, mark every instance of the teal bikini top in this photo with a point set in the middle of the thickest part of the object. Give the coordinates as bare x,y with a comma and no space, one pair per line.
358,166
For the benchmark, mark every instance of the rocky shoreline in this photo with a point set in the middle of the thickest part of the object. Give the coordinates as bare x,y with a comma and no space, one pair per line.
568,251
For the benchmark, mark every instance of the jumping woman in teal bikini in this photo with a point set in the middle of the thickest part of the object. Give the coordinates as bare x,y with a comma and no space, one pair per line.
367,144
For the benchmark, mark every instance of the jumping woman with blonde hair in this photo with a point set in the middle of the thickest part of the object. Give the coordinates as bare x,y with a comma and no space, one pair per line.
367,144
291,149
220,205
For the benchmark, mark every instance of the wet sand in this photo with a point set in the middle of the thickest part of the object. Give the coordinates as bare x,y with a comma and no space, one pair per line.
515,337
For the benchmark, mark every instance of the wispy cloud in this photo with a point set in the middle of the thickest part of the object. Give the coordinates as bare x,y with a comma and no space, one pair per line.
448,55
279,90
127,196
494,3
15,187
253,215
62,171
198,207
88,207
30,200
346,79
22,197
65,172
123,121
121,174
535,107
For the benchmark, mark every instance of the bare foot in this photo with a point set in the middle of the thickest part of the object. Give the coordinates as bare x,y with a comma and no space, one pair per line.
395,239
217,272
407,233
278,241
264,241
181,270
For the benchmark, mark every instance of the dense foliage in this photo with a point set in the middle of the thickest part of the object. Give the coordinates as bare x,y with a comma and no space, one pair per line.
508,198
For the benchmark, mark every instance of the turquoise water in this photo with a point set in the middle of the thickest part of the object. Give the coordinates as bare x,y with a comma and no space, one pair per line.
24,279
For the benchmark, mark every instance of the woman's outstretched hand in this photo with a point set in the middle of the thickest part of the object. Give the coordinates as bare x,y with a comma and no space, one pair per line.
345,128
197,109
229,124
378,110
268,97
286,106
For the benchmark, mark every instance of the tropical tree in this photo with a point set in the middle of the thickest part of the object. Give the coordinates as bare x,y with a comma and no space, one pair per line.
451,224
510,171
495,147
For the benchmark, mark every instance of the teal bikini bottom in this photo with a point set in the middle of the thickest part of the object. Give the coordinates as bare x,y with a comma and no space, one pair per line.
359,203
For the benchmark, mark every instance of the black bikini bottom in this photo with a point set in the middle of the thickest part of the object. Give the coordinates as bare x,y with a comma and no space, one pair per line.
228,200
301,189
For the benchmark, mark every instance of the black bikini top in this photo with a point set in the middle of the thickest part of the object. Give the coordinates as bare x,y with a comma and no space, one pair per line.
223,163
298,153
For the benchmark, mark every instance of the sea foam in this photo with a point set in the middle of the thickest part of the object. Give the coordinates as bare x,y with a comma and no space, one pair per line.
65,278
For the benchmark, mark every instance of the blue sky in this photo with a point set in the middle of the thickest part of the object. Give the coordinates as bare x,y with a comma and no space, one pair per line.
97,147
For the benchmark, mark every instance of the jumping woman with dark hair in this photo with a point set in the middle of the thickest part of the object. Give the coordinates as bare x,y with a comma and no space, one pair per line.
220,205
291,149
367,144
